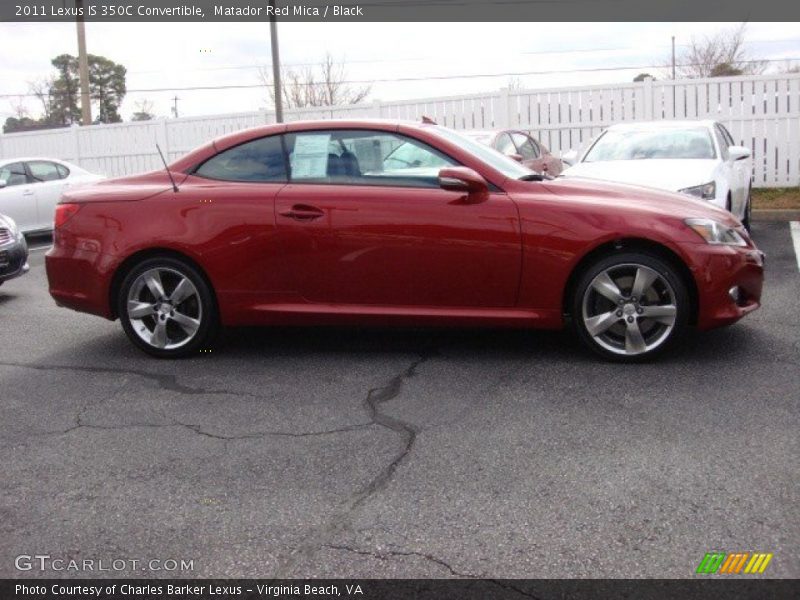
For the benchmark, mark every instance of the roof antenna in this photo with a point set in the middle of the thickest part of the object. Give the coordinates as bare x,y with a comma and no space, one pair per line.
171,178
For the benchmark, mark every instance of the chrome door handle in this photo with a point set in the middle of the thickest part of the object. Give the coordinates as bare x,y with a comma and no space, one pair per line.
302,212
27,193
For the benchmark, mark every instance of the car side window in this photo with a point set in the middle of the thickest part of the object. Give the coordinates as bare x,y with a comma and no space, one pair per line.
14,174
260,160
505,145
726,134
63,172
363,157
525,145
42,171
723,143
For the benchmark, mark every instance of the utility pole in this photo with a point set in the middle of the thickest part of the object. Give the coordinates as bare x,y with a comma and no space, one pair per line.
276,65
83,67
673,58
175,106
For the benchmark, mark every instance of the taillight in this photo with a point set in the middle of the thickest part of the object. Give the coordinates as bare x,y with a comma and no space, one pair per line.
64,212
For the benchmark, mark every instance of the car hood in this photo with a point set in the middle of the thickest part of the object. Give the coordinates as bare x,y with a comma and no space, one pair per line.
665,174
642,199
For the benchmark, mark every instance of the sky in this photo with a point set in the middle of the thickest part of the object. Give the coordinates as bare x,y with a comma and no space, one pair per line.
168,55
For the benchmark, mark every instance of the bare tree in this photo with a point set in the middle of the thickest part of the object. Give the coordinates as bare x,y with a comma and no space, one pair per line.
42,90
322,85
719,55
144,110
514,84
18,108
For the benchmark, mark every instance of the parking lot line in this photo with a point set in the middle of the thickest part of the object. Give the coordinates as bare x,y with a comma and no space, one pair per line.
795,227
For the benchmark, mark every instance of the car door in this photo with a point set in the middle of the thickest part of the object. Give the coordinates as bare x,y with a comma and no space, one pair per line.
364,221
48,184
231,200
741,170
18,196
726,168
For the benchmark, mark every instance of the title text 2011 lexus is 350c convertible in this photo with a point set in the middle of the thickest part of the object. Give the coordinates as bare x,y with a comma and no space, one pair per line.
360,222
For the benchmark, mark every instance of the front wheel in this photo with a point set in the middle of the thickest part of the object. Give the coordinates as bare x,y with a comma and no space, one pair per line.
166,308
630,306
748,211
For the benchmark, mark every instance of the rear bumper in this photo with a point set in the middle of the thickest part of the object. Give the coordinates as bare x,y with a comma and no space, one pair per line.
80,279
13,260
720,269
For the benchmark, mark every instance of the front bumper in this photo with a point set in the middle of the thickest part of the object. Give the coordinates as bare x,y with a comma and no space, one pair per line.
13,260
717,271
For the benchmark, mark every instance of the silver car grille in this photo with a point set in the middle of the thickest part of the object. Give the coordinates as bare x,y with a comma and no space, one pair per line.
5,236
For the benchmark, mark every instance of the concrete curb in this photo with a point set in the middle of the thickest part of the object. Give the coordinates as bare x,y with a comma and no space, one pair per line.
775,214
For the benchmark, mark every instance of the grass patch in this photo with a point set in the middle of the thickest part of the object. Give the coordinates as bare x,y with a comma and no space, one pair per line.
776,198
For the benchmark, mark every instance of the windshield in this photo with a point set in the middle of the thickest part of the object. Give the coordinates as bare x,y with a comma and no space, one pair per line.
642,144
507,166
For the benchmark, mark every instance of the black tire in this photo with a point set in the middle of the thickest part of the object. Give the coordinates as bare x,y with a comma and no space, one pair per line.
748,211
200,306
589,307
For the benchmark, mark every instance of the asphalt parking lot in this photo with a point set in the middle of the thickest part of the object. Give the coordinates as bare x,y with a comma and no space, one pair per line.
363,453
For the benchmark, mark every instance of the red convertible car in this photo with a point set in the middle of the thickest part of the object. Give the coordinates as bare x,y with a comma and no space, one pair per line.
382,223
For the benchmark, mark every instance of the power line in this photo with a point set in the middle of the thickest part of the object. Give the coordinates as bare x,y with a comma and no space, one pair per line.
243,86
421,58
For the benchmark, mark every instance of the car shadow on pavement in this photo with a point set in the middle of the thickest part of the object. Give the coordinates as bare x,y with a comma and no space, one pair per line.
6,297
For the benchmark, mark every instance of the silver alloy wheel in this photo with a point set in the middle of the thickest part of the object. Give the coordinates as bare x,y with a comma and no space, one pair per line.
164,308
629,309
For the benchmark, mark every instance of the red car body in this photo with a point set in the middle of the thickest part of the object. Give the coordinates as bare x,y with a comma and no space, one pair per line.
384,255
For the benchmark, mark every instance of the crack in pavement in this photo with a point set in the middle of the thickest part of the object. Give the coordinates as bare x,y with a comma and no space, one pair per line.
340,520
393,553
164,381
376,397
200,431
386,555
170,383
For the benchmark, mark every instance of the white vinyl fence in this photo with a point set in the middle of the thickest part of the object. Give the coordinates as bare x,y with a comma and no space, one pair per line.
761,112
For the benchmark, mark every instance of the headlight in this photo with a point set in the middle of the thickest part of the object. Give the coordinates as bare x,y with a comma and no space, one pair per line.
707,191
714,232
11,225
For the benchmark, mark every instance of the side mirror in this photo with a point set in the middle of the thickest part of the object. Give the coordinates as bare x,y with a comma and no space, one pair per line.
738,152
570,157
3,183
515,156
462,179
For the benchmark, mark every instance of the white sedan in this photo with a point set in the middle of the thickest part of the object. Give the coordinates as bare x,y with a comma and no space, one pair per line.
698,158
30,189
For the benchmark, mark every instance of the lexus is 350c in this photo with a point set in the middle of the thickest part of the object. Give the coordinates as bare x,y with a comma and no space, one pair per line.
387,223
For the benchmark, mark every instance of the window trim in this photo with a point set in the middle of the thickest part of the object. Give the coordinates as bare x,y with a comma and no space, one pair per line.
35,180
536,148
286,166
24,169
287,163
402,136
60,166
719,138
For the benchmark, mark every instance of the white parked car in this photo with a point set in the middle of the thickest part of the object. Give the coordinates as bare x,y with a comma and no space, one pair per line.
698,158
30,189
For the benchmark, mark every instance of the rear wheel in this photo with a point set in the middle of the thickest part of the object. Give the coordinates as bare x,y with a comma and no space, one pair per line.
166,308
630,306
